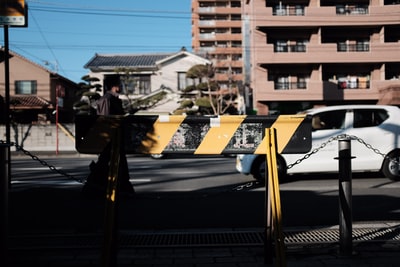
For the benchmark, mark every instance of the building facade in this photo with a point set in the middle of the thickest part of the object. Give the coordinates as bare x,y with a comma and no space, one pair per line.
142,74
36,92
217,34
146,76
321,52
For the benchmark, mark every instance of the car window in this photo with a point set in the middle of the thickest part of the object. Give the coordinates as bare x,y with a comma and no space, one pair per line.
369,117
328,120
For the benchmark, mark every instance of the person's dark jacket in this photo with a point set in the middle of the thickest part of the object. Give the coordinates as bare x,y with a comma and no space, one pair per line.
110,104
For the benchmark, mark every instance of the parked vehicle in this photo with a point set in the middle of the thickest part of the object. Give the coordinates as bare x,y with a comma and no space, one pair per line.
375,145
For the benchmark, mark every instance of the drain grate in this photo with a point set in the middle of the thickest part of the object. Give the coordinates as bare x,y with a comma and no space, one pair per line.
197,239
234,238
332,235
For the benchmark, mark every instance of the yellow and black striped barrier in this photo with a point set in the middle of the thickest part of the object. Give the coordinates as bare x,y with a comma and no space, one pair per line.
236,134
195,135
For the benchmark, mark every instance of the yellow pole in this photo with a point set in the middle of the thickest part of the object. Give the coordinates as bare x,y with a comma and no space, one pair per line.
275,197
109,255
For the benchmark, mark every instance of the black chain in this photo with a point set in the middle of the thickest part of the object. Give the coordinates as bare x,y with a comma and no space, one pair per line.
334,138
246,186
44,163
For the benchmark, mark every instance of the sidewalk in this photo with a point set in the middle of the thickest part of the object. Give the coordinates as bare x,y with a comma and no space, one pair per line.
60,227
85,250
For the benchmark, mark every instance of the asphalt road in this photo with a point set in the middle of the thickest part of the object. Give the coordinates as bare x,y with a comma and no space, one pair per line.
183,192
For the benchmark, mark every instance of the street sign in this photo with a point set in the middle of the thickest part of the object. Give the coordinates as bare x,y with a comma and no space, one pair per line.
13,12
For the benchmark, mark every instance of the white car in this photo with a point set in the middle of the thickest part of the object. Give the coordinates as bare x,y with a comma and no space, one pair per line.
375,146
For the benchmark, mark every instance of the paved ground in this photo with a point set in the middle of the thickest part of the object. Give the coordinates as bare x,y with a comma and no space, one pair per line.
58,226
61,227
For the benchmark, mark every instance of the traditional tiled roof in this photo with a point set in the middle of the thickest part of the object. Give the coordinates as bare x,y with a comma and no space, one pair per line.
28,102
128,60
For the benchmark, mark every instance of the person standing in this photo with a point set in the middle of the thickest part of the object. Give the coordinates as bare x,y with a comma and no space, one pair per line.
109,104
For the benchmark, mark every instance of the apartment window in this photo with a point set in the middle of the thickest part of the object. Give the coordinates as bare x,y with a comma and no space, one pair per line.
236,44
221,56
362,46
221,44
290,46
236,57
286,10
221,4
353,46
207,44
300,47
236,17
296,10
221,30
301,83
236,30
353,82
281,46
341,46
222,17
235,4
25,87
279,10
392,71
236,70
206,17
282,83
222,70
351,9
392,2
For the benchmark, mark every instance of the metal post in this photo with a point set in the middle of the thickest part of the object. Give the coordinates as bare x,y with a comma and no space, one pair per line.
7,97
4,167
268,248
109,253
345,197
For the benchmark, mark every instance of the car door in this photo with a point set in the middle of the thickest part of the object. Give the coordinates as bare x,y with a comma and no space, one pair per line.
325,125
369,136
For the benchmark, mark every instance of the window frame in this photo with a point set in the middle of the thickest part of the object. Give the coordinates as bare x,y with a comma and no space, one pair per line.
32,84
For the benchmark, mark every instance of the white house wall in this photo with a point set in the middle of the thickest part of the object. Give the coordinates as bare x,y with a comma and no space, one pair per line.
167,73
171,68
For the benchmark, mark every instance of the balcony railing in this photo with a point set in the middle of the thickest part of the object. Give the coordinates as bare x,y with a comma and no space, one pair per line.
290,48
361,47
288,11
353,84
290,85
351,10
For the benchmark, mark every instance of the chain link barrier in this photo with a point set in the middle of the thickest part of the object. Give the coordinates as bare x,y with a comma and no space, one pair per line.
250,185
334,138
44,163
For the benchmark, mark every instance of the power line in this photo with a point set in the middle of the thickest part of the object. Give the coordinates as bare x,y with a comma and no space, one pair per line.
113,12
47,44
92,8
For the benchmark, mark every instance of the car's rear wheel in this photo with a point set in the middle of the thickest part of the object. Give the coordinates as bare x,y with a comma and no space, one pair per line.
391,166
259,168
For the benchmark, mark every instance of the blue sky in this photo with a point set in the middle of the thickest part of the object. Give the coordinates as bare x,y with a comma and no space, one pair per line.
67,34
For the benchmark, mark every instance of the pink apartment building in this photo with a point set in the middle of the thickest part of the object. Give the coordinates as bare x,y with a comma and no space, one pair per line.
217,34
305,53
297,54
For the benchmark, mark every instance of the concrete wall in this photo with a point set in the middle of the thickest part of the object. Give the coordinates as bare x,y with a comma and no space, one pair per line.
35,138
